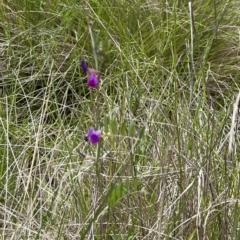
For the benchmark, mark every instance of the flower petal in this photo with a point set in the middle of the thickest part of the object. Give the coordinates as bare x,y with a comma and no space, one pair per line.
93,135
84,66
92,80
94,138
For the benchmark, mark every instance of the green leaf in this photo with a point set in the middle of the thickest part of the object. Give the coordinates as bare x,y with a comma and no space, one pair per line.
117,193
131,129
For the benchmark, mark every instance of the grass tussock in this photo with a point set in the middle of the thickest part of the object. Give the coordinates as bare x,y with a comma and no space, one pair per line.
167,163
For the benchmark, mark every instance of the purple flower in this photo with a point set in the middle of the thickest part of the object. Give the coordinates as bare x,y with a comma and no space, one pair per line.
93,135
179,63
84,66
92,80
136,133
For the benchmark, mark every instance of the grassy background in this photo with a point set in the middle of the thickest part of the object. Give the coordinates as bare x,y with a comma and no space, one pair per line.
169,70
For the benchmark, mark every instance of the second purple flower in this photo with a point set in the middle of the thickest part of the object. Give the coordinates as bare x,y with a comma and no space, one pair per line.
92,80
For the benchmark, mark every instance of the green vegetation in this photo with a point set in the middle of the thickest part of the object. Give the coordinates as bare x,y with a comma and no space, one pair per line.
168,70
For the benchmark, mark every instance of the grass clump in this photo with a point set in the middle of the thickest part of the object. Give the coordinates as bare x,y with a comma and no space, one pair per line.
164,102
